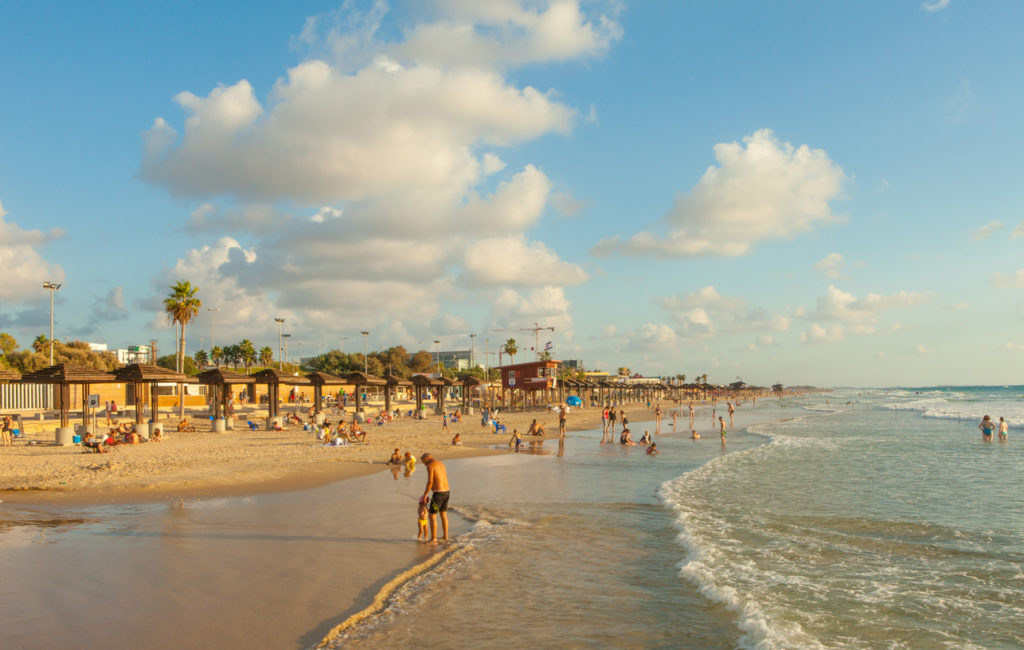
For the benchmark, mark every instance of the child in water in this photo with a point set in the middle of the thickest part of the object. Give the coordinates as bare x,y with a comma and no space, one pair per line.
421,524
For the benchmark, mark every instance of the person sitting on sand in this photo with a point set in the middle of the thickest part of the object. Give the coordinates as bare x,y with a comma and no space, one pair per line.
653,450
457,440
357,433
535,429
156,436
516,439
90,443
410,463
185,425
396,458
277,426
627,438
456,417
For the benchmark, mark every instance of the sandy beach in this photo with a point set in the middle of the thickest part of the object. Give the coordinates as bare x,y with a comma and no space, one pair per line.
240,461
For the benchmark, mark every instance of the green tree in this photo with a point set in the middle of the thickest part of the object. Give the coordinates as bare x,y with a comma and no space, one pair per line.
41,343
8,343
232,355
202,358
266,356
623,371
510,348
247,354
181,308
217,355
545,355
421,361
170,362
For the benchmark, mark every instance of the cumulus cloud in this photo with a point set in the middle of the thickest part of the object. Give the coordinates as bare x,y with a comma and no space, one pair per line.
986,231
1018,231
705,312
818,334
370,175
830,265
547,306
24,268
931,6
651,338
840,306
1014,347
761,189
1009,280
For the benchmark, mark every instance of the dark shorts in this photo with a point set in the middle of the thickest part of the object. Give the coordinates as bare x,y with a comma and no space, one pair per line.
561,422
439,502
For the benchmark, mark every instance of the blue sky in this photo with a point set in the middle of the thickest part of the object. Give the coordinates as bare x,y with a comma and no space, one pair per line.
802,192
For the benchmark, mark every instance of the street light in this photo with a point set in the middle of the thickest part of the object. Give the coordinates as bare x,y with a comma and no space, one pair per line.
366,365
286,337
52,287
341,343
213,324
472,346
280,350
437,355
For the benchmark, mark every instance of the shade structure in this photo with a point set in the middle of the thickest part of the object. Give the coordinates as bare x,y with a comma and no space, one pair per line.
141,375
361,379
8,375
468,384
273,378
393,381
219,379
62,376
321,379
421,382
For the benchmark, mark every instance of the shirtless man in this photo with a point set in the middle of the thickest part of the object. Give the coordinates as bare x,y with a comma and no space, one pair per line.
561,420
732,412
437,481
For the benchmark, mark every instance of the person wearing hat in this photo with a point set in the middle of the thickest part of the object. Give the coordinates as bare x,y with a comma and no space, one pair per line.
437,482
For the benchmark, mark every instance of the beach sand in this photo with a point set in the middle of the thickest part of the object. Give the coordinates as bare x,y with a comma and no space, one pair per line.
239,462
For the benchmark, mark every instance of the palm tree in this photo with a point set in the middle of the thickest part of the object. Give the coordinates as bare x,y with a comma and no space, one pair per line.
247,352
623,372
181,307
266,356
511,348
40,343
202,358
217,355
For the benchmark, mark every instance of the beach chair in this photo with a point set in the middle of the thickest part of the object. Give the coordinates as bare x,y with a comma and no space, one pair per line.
499,427
16,433
252,425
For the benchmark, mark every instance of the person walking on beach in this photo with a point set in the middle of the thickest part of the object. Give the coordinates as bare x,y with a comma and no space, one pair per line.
1004,428
623,419
561,421
691,415
721,427
6,433
437,481
444,423
732,410
657,419
987,426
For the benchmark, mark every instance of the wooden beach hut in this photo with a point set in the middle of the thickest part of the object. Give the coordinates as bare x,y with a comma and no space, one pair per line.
321,379
274,378
362,380
423,382
393,382
62,376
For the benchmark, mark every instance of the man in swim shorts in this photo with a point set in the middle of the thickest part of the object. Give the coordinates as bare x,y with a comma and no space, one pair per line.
437,481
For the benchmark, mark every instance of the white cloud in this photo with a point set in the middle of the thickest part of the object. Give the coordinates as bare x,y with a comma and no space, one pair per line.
609,330
986,231
705,312
1014,347
931,6
762,189
546,306
567,204
830,265
652,338
920,349
1009,280
514,261
839,306
1018,231
819,334
24,269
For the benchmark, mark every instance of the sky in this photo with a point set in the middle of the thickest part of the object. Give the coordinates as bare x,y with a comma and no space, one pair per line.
796,192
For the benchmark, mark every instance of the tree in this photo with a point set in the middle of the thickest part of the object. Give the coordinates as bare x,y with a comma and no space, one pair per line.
545,355
511,347
232,355
247,354
170,362
41,343
623,371
202,358
217,355
681,378
8,343
181,307
421,361
266,356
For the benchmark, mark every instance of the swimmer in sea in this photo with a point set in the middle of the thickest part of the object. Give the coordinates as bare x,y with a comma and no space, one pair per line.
1004,428
653,449
987,426
694,435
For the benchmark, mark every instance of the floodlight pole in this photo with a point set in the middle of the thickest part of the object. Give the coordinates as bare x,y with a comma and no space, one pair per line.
52,287
280,347
213,324
366,364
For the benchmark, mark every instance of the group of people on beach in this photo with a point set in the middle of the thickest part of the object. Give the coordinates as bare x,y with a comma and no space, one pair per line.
987,427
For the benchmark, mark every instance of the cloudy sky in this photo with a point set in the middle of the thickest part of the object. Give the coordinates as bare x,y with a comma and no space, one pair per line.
803,192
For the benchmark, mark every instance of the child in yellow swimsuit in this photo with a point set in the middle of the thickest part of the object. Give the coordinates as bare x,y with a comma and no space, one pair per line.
421,528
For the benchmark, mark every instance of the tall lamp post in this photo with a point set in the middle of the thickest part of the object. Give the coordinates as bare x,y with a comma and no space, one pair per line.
366,364
52,287
213,325
341,343
280,349
437,355
286,337
472,349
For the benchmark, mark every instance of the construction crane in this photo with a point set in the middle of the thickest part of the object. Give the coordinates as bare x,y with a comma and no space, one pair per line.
536,329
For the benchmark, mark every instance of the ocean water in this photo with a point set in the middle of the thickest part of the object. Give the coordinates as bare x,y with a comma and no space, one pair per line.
848,519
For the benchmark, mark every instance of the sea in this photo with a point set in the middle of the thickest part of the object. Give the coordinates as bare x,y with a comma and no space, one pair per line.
846,519
852,518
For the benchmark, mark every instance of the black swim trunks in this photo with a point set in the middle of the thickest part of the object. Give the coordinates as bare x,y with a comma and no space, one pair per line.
439,502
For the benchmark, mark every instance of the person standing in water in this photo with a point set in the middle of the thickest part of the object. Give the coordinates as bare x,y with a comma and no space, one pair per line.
657,419
1004,428
437,482
691,415
987,426
732,410
721,427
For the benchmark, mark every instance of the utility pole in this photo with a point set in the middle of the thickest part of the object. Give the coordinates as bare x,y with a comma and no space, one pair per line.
53,287
341,343
366,363
280,348
437,355
472,350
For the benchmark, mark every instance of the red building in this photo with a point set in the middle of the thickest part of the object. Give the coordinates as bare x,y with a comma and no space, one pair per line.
530,376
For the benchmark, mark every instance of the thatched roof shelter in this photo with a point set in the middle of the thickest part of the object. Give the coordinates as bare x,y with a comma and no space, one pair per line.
9,375
393,381
425,381
358,379
217,379
273,378
63,375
